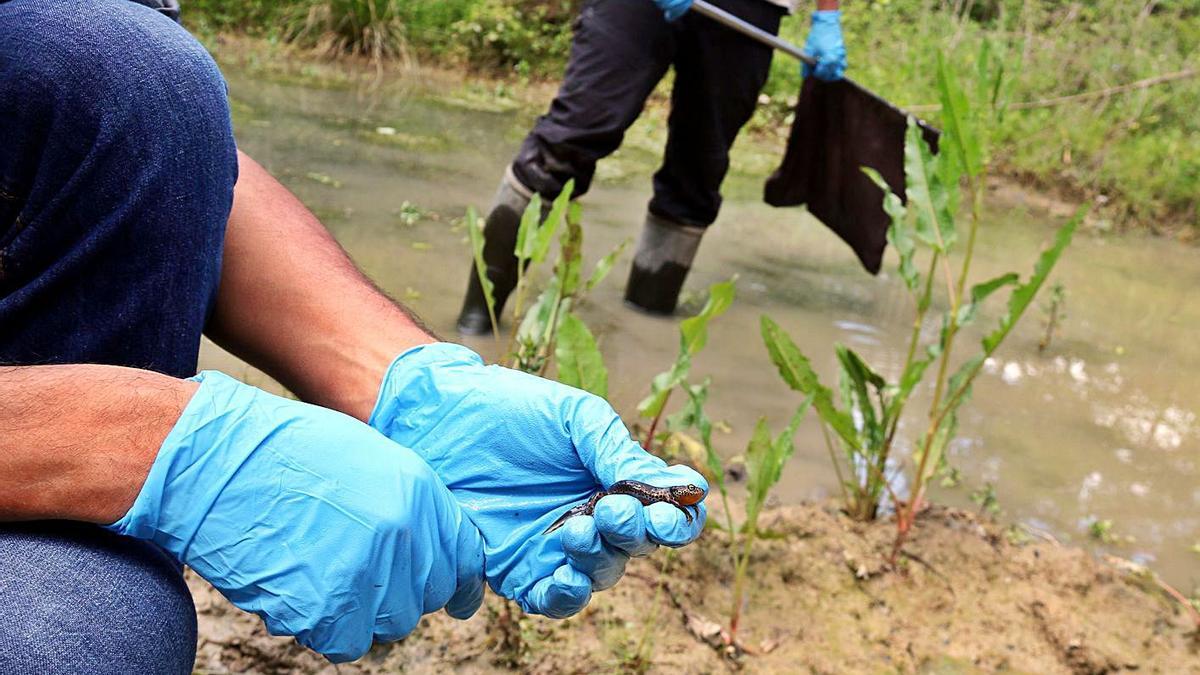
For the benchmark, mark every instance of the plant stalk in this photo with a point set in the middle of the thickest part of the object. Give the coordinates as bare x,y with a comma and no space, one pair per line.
654,423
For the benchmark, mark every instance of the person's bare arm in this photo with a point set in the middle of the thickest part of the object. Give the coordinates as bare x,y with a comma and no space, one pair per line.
292,303
825,5
77,441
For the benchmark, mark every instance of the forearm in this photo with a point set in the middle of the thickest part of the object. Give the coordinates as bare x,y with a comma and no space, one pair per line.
76,442
824,5
292,303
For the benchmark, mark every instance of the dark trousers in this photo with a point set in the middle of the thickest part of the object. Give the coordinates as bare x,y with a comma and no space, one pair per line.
621,50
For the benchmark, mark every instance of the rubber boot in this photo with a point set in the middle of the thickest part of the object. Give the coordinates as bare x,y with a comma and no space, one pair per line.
664,256
500,238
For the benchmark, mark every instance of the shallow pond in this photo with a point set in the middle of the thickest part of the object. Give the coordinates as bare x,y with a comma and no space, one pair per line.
1103,425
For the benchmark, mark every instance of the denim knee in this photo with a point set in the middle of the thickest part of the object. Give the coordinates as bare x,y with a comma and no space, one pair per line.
78,599
99,65
117,167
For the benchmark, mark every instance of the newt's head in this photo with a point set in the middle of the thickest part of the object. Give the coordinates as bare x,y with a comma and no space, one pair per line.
687,495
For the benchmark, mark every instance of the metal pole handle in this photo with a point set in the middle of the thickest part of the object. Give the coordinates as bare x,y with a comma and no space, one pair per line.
750,30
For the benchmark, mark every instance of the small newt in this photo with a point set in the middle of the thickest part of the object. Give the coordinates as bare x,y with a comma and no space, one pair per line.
679,496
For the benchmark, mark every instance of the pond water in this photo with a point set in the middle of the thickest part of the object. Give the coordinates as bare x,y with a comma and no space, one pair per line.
1102,425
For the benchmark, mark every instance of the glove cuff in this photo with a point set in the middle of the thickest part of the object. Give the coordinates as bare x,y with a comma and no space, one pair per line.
413,369
827,16
195,433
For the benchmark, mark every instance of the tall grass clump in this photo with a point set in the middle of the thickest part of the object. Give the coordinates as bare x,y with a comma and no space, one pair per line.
861,423
371,28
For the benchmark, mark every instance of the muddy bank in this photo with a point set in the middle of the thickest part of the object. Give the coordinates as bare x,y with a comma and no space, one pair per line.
972,596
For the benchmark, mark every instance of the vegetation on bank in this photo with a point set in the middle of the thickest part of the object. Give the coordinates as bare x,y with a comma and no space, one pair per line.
1134,151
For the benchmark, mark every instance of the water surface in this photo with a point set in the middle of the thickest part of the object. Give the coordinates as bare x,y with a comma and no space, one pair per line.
1103,425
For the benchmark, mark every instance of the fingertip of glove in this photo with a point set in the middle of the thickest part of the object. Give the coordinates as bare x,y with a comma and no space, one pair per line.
466,601
560,595
666,524
580,536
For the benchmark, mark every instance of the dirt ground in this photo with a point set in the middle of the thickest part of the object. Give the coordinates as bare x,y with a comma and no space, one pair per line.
969,596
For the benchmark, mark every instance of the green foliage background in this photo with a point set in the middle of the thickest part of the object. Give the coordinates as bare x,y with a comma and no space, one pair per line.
1138,151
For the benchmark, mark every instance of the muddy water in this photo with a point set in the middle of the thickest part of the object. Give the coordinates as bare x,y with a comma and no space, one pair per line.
1103,425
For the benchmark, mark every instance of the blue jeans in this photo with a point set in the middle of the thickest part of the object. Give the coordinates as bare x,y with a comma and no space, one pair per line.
75,598
117,166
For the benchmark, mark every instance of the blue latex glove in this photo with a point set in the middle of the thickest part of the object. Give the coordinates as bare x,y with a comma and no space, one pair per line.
307,517
673,9
826,46
517,451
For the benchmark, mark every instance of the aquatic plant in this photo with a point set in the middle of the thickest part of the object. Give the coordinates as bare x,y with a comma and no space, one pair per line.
549,330
1055,311
865,424
764,456
693,336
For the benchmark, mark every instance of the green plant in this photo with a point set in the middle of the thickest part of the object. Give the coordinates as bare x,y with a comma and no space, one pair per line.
764,456
410,214
985,499
693,336
865,424
1102,531
549,329
1056,311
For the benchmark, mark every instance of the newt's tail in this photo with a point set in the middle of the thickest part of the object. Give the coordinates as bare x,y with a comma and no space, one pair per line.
568,514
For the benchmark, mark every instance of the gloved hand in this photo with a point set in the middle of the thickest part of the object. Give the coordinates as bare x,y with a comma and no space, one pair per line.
517,451
307,517
826,46
673,9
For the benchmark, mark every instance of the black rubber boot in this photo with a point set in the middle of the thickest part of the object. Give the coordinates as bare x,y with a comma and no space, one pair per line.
664,256
500,238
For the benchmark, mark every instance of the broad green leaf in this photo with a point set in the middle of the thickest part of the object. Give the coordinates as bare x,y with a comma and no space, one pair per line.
605,265
856,375
528,229
662,384
549,226
475,234
797,372
765,459
929,198
1024,293
758,461
579,361
899,234
864,372
980,292
693,332
961,138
